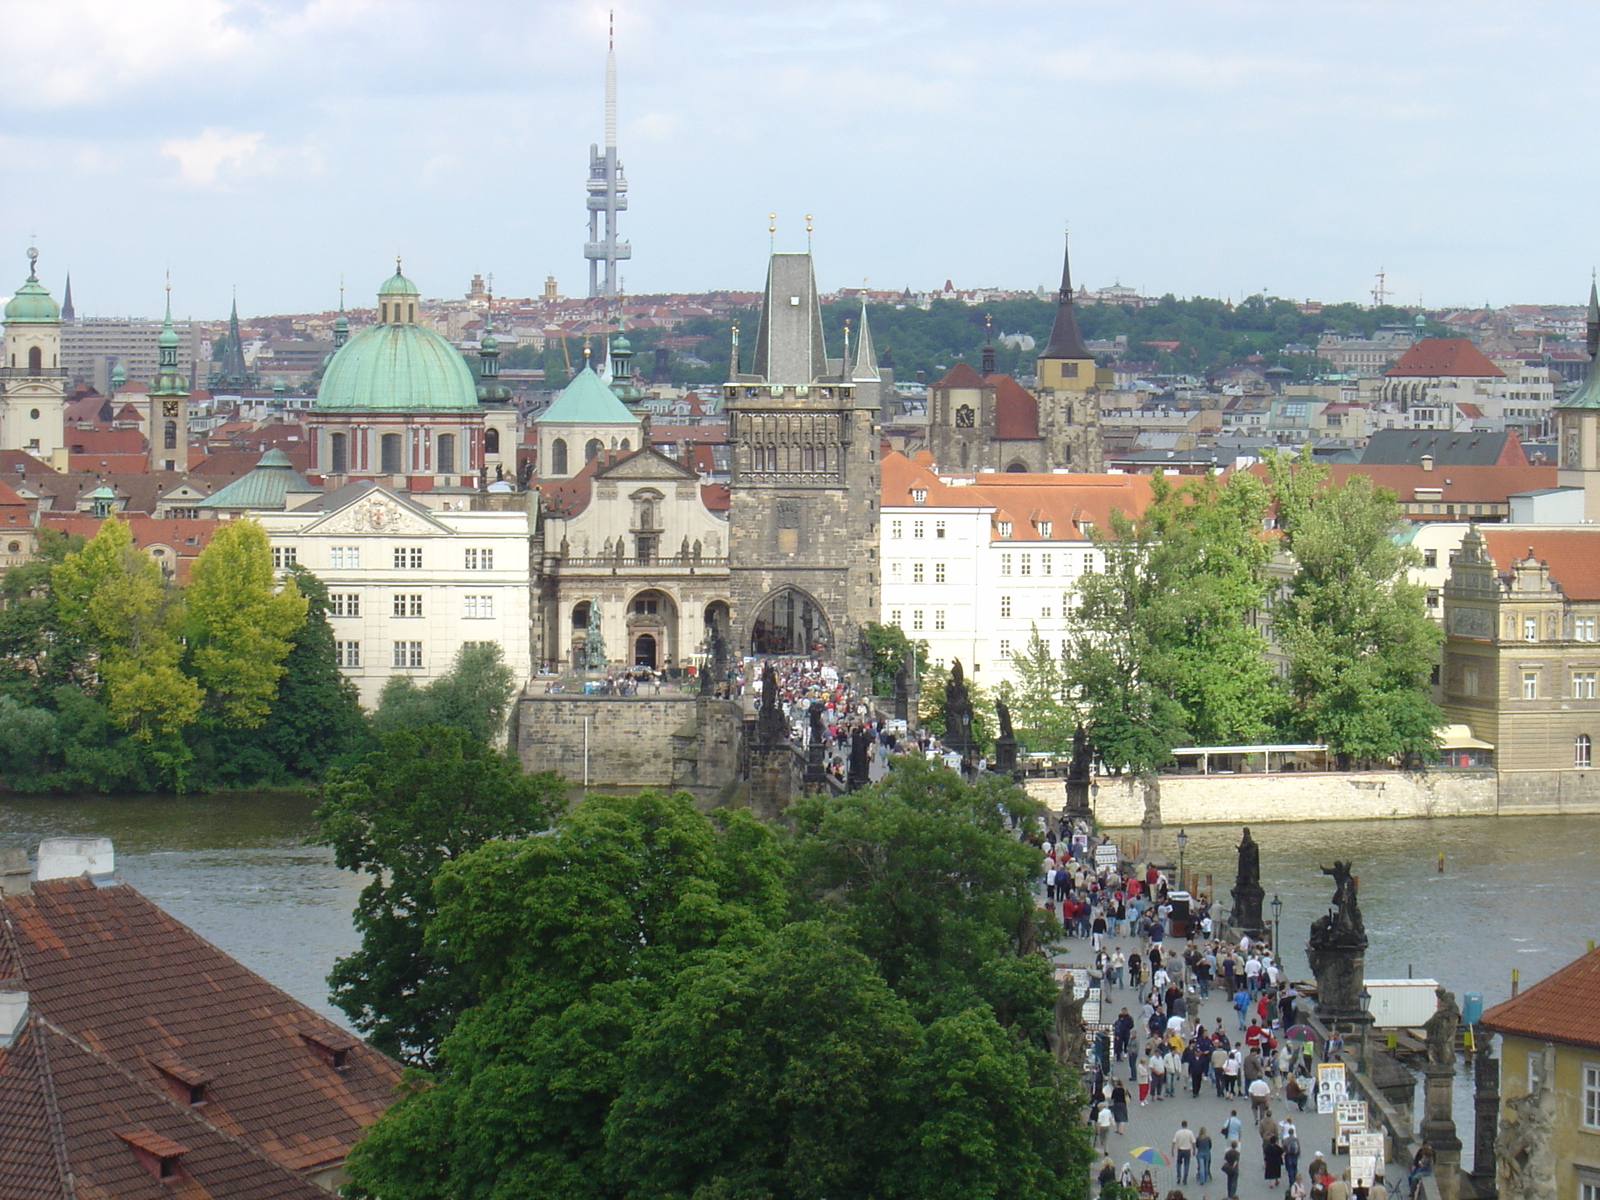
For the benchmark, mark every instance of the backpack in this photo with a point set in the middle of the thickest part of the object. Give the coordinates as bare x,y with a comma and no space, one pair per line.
1291,1144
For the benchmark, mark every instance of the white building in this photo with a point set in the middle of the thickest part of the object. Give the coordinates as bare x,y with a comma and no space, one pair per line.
973,565
409,586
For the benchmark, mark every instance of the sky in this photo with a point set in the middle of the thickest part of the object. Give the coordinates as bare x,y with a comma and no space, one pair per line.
1206,147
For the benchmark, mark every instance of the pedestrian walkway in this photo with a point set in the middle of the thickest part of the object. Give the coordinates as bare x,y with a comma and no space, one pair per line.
1156,1123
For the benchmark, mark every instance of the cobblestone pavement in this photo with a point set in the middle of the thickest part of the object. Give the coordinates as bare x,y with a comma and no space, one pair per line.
1155,1123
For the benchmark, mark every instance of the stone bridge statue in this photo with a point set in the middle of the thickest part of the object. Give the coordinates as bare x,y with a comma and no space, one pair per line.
958,712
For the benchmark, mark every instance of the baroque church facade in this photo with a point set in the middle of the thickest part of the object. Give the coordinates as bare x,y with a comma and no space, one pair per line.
32,379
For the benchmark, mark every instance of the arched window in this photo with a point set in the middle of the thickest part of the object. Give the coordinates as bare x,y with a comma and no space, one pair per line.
580,615
169,436
338,454
447,454
1583,751
625,446
491,440
558,456
35,359
591,449
808,459
389,454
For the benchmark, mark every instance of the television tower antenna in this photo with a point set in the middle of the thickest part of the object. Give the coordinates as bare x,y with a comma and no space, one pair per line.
1379,291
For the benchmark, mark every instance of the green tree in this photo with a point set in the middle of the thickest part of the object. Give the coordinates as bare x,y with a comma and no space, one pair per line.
474,695
239,624
1042,711
316,719
1354,627
891,650
423,799
37,653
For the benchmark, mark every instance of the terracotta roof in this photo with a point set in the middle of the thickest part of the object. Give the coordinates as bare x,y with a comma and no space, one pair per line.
134,985
1016,411
78,1123
1573,554
104,441
1563,1007
129,464
1444,356
1456,485
961,376
715,496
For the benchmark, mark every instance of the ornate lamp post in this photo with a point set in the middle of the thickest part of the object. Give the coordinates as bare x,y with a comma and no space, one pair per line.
1366,1024
1183,840
1277,929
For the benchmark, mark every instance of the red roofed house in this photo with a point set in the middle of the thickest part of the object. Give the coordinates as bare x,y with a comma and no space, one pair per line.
1521,660
138,1060
16,527
1550,1073
1433,379
973,564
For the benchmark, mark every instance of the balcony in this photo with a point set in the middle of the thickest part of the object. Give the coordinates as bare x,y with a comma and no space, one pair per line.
667,567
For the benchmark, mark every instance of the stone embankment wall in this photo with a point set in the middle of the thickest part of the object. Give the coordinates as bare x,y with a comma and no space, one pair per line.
663,741
1294,796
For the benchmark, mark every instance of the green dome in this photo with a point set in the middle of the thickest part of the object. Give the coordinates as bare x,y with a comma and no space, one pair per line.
386,368
398,285
32,305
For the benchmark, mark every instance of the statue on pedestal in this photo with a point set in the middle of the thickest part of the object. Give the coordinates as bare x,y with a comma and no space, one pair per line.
594,643
772,727
1078,774
958,712
1523,1154
1247,890
1337,950
1067,1037
860,754
1005,745
1441,1030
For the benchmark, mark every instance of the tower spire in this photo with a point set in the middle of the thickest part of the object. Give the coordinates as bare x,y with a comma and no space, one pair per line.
1594,319
1066,340
68,313
865,369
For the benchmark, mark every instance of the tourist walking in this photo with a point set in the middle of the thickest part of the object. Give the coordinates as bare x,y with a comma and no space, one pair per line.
1230,1169
1290,1140
1202,1157
1272,1161
1183,1150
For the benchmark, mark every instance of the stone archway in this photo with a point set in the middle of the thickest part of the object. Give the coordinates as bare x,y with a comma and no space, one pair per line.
644,650
789,621
652,617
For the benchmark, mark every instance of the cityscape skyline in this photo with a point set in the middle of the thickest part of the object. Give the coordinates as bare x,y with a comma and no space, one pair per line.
1222,150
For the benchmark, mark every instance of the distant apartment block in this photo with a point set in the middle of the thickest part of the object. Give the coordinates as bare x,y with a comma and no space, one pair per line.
92,346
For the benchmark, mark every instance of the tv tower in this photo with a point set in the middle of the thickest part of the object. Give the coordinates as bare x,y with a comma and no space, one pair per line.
608,190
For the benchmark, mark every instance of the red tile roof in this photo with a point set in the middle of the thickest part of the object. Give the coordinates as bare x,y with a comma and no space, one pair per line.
715,496
1016,411
1456,485
135,986
1563,1007
1573,555
1433,357
961,376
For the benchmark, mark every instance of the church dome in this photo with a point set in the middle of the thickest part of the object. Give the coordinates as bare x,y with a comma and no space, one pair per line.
397,365
32,305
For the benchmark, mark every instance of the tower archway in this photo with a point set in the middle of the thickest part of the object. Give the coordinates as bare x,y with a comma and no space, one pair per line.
790,621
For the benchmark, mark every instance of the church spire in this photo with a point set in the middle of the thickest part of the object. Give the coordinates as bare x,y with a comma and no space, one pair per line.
341,323
68,313
1594,319
865,369
1066,340
168,381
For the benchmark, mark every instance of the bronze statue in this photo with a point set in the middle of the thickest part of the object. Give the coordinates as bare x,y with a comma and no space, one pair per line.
1346,913
1078,769
1004,715
958,712
1441,1030
1249,862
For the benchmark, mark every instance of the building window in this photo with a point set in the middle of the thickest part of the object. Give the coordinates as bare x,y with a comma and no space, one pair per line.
478,607
1591,1100
1005,564
1530,685
169,436
558,456
446,457
338,454
344,604
938,529
408,558
1530,629
895,528
407,604
185,514
1005,606
916,529
1044,564
1583,685
1469,681
916,618
894,616
938,618
894,572
1583,629
591,449
408,654
282,557
916,572
345,558
1430,558
347,654
919,495
1536,1079
491,440
1005,647
389,454
1044,612
938,572
1005,528
480,560
1044,529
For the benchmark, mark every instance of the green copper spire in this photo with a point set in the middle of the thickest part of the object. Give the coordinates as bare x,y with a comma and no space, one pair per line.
168,381
490,389
622,383
32,305
341,323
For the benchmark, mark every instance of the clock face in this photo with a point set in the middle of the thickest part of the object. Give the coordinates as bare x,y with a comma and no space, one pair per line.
169,408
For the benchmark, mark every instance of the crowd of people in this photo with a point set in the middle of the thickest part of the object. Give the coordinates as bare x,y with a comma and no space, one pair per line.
1252,1052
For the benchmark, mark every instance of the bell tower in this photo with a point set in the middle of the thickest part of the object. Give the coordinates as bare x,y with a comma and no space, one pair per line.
1069,404
1578,425
32,380
169,404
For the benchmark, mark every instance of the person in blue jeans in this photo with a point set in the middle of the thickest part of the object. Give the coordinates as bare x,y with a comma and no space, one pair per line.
1202,1157
1230,1170
1183,1150
1241,1004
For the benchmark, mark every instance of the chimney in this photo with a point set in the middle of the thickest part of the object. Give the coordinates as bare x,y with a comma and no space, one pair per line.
1427,462
14,872
72,858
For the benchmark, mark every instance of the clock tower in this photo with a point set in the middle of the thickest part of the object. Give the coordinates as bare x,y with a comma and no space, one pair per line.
169,405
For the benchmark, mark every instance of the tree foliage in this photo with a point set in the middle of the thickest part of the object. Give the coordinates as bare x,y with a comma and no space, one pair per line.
890,651
473,695
1041,705
930,705
1355,628
680,1005
423,799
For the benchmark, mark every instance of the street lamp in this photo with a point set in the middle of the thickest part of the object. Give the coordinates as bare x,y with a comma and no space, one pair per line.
1366,1024
1277,928
1183,840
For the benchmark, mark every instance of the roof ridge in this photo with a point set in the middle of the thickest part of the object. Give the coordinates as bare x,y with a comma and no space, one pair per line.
52,1109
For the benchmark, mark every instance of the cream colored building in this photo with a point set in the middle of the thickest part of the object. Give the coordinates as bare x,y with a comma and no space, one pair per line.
409,586
32,380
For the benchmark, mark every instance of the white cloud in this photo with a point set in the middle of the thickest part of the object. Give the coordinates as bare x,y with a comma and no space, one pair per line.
202,158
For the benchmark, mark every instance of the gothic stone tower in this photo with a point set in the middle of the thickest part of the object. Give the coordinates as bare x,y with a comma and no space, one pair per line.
1069,403
803,515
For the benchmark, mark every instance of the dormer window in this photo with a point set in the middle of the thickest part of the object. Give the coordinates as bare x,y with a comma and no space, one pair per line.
1005,528
186,1083
331,1046
919,495
1044,529
161,1157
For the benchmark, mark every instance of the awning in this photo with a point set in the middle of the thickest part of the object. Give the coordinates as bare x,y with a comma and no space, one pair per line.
1459,737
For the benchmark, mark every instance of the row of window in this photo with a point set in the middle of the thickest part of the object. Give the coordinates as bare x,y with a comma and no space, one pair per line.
407,605
918,574
404,655
405,558
919,529
1583,684
1024,563
917,618
1583,629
